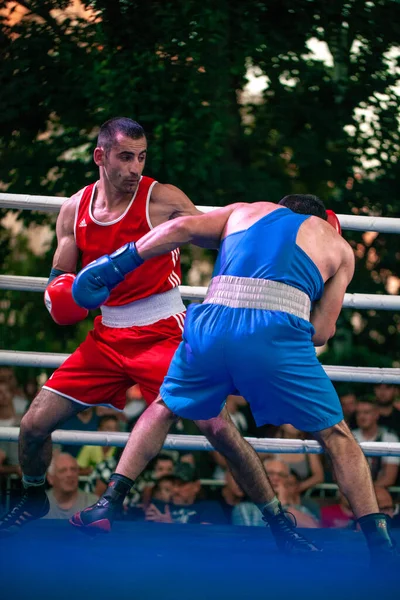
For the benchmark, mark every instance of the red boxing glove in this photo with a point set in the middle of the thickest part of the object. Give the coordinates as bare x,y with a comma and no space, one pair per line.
334,221
60,303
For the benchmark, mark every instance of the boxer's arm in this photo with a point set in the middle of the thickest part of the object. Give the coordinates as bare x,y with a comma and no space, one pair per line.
169,202
94,283
66,254
204,230
326,311
387,475
58,294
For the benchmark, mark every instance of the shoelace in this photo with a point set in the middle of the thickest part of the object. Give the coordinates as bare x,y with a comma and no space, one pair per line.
286,527
17,509
290,523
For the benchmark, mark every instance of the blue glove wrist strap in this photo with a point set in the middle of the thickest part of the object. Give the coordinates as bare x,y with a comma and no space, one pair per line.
127,258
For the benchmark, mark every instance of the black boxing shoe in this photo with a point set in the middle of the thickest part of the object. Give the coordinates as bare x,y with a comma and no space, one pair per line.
288,540
33,505
383,550
99,517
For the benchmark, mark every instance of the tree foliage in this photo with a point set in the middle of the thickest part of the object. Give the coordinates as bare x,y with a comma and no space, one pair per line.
323,125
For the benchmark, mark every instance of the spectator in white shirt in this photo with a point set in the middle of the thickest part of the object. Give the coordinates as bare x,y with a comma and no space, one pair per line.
384,469
65,496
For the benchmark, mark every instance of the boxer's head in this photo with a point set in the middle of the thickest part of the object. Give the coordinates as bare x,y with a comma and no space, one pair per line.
111,130
305,204
120,154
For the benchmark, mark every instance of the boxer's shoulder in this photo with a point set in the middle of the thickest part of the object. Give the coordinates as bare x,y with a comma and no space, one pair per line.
68,207
66,217
245,214
169,202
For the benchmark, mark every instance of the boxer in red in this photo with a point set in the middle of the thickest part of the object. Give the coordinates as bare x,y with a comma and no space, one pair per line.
142,321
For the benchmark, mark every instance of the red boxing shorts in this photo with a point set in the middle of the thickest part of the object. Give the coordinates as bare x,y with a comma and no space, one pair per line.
111,360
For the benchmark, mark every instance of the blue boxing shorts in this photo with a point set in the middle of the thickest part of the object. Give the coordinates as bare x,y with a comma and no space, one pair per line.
266,356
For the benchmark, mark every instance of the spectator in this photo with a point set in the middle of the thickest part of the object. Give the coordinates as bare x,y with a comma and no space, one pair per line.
287,490
396,517
135,405
305,507
396,402
235,405
86,420
8,450
228,496
337,516
384,469
203,461
349,406
277,470
65,497
8,416
340,515
385,501
9,464
163,489
389,415
90,456
19,402
308,467
97,480
186,506
108,411
162,465
31,389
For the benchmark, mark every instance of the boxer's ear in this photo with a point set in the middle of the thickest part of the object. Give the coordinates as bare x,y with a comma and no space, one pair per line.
333,220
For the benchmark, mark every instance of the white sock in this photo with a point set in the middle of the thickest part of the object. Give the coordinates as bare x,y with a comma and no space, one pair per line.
273,507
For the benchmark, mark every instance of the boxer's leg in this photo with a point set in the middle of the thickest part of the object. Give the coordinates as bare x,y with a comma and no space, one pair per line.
146,439
145,442
351,468
243,461
353,476
250,474
47,411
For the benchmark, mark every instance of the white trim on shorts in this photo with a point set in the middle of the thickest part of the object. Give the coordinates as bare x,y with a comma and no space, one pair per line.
180,319
45,387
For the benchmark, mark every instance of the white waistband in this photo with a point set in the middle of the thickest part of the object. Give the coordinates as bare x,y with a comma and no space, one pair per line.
264,294
144,312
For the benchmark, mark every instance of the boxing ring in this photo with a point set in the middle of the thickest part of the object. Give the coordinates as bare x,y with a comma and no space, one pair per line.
151,561
169,561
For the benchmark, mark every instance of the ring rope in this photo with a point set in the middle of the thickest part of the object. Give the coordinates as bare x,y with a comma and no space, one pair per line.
199,442
363,301
335,373
53,204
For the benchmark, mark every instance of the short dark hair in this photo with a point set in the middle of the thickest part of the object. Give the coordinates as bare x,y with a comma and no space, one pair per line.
109,130
305,204
104,418
163,456
186,472
368,400
169,478
154,461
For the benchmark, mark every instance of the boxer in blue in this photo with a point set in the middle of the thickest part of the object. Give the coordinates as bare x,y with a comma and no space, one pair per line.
276,292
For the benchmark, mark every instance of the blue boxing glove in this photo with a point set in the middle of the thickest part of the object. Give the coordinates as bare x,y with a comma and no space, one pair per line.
94,283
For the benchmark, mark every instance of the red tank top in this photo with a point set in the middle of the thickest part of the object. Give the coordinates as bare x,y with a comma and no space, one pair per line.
94,239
